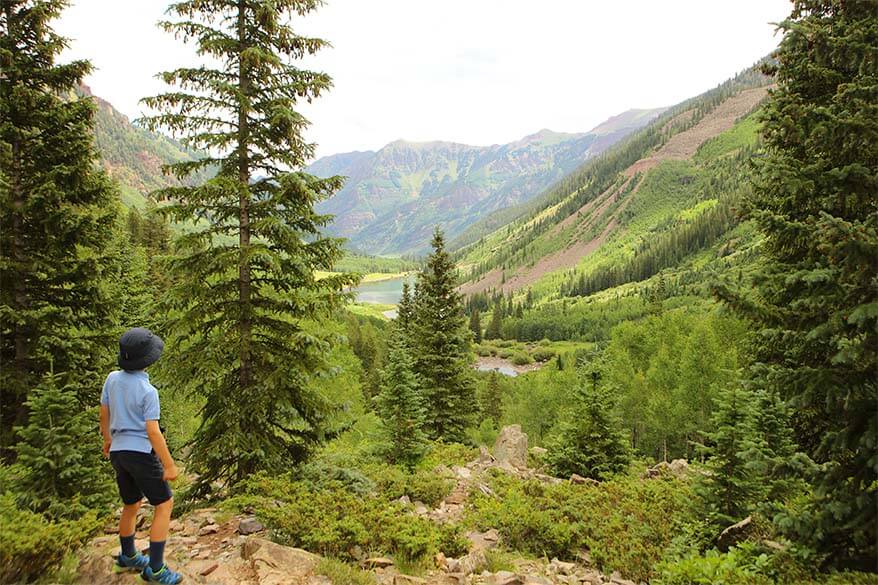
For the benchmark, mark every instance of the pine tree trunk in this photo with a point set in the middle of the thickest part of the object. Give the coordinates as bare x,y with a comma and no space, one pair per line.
245,325
20,293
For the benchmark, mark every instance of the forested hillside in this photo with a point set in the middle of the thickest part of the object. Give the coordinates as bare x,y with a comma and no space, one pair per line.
659,196
392,198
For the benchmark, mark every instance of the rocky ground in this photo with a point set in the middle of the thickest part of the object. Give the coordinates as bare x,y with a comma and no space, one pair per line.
210,548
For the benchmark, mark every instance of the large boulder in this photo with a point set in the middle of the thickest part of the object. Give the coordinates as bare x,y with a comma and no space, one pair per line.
735,534
511,447
275,564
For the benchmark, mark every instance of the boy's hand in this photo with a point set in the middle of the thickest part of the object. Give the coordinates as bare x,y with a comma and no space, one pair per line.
107,445
170,473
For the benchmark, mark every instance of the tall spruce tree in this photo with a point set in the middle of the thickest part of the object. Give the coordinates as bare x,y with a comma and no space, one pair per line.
496,322
815,302
400,404
590,441
492,399
475,325
442,347
729,490
245,309
405,309
57,213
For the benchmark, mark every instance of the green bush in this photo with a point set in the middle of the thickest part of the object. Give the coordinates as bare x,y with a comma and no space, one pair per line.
735,567
31,545
504,342
520,358
343,574
321,474
334,522
505,353
543,354
484,351
626,523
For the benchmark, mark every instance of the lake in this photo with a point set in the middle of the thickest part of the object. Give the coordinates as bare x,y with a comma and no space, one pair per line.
385,292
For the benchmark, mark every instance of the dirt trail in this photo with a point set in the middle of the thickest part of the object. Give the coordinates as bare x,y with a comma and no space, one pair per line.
681,146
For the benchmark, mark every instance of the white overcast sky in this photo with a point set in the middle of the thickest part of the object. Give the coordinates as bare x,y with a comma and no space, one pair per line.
472,71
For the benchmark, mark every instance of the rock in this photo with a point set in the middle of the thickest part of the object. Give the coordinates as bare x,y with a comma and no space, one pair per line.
421,508
538,452
506,578
474,562
208,529
404,500
735,534
187,540
440,561
457,497
483,540
462,472
536,580
561,568
378,562
485,456
175,526
99,569
208,570
278,565
579,480
511,447
250,526
319,580
617,579
408,580
453,565
486,490
679,467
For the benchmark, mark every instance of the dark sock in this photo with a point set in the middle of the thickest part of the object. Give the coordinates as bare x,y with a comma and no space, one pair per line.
156,555
128,545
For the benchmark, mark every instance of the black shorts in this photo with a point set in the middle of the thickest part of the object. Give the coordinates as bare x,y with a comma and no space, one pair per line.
140,474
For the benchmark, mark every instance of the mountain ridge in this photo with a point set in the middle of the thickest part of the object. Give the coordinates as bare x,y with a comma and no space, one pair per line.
394,196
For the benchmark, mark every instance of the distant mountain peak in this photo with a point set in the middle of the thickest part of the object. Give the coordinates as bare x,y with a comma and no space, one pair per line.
634,117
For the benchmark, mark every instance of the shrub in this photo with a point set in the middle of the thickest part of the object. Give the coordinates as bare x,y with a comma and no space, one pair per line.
428,487
542,354
343,574
626,523
31,546
321,474
504,342
484,351
505,353
334,522
736,566
520,358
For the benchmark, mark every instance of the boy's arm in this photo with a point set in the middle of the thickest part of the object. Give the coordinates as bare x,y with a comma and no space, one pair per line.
105,428
157,440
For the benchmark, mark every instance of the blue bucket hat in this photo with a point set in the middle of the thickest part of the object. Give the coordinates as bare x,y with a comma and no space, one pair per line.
139,348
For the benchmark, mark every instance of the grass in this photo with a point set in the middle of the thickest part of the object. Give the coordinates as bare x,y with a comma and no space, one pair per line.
344,574
370,309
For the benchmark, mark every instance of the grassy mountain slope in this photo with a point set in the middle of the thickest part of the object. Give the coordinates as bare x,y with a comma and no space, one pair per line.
655,201
131,155
394,197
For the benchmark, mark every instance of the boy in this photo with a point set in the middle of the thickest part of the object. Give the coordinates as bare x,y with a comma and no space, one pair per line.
139,454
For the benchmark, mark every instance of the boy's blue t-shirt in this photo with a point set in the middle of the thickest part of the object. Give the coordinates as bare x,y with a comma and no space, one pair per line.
132,401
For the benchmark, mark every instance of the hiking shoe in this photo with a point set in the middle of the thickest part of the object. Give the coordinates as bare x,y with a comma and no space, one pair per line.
165,576
136,563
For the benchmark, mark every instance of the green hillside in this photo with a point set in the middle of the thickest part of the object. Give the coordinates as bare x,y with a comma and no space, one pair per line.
133,156
662,200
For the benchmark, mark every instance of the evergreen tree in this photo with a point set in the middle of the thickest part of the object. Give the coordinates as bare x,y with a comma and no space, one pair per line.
492,399
475,325
405,309
245,309
60,451
496,323
814,298
442,347
589,441
57,212
730,488
400,405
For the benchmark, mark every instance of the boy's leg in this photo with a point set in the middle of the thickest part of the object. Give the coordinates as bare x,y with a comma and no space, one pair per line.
158,534
127,526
